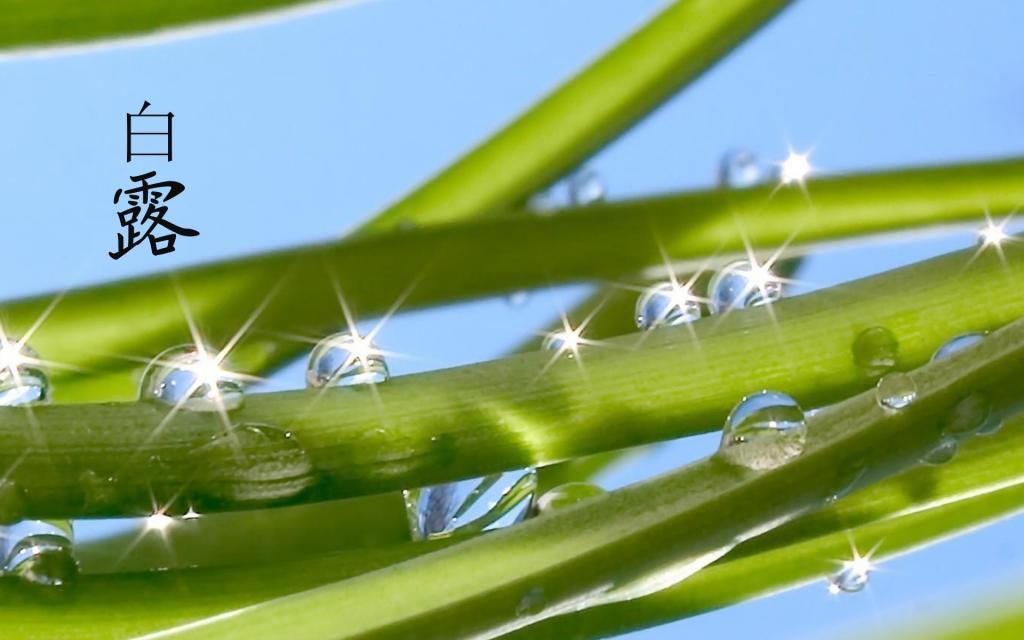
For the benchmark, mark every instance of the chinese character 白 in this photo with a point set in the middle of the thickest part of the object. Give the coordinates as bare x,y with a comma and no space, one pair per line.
146,211
150,128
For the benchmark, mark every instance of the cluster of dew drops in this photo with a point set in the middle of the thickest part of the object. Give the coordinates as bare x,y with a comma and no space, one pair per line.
763,431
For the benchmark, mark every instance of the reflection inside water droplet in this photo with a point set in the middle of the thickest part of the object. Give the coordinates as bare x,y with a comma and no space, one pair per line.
666,304
739,169
23,380
764,431
895,391
478,504
566,495
742,284
39,553
957,343
191,377
346,359
875,351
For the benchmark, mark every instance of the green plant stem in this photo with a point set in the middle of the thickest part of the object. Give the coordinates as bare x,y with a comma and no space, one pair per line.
42,23
913,509
584,114
923,506
639,539
524,410
87,329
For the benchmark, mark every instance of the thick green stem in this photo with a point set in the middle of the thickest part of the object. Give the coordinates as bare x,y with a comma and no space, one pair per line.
642,538
91,328
524,410
589,111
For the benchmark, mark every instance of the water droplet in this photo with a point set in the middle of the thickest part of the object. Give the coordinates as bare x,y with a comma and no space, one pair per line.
851,578
22,378
739,169
517,299
957,343
586,188
764,431
542,204
253,463
345,359
941,453
875,351
665,305
895,391
41,556
478,504
742,284
566,495
565,341
532,602
191,378
12,502
968,416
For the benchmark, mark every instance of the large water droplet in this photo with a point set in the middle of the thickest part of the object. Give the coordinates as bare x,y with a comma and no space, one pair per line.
253,463
764,431
875,351
743,284
191,378
739,169
851,578
40,554
586,187
957,343
345,359
566,495
942,453
895,391
478,504
665,305
22,378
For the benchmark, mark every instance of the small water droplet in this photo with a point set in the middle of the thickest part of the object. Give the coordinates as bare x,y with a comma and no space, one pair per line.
958,343
191,378
851,578
566,495
40,555
764,431
345,359
585,188
968,416
739,169
895,391
22,378
532,602
477,504
666,304
517,299
742,284
542,204
565,341
941,453
875,351
253,463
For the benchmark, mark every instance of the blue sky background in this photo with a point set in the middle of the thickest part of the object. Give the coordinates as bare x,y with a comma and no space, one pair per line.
294,131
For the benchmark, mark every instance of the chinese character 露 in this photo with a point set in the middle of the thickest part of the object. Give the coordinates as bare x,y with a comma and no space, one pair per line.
146,211
149,129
